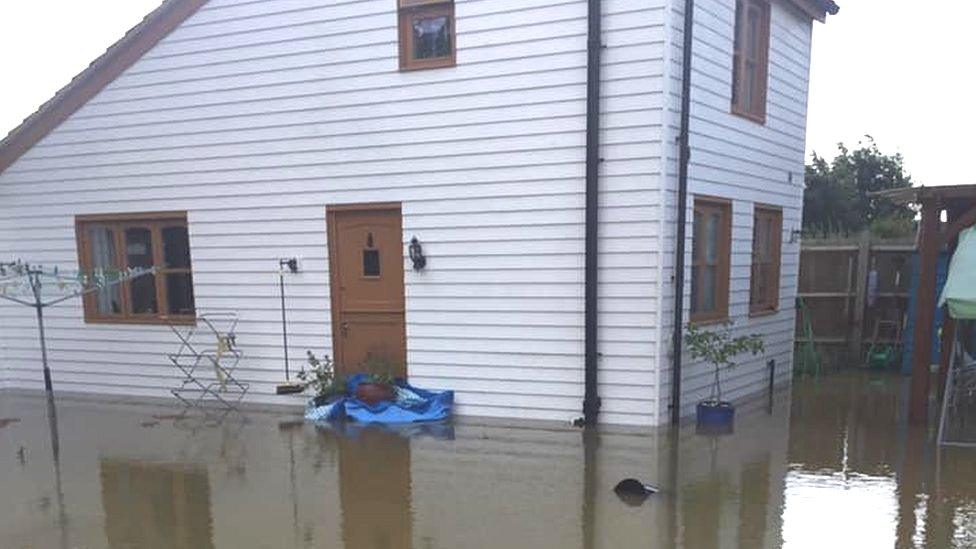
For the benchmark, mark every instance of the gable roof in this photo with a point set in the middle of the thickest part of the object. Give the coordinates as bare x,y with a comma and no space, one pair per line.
140,39
116,59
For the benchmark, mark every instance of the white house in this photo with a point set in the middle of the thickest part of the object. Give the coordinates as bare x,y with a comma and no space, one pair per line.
532,147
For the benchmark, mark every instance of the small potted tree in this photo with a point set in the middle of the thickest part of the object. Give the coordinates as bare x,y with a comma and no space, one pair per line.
321,378
379,384
719,348
376,388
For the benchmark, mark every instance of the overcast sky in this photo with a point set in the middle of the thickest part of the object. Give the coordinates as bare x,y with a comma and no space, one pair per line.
900,70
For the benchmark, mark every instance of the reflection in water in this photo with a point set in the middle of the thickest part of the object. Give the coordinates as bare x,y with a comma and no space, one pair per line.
832,466
149,505
754,508
837,510
52,420
701,511
876,481
374,474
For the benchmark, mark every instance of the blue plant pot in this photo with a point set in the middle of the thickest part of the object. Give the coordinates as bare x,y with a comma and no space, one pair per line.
717,417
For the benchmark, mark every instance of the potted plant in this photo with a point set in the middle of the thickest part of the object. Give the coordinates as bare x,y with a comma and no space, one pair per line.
376,388
321,378
719,348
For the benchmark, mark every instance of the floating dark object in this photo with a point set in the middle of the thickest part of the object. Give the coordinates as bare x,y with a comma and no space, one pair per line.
633,492
8,421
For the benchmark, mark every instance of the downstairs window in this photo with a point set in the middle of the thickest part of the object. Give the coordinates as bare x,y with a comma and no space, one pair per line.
115,243
767,243
710,257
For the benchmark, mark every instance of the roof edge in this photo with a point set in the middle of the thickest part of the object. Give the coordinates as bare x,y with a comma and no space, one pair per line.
103,70
817,9
923,193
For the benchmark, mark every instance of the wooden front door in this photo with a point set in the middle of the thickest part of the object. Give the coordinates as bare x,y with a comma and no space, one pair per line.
366,272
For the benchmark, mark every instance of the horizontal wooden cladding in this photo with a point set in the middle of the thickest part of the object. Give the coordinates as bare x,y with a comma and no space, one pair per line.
309,153
494,110
752,164
347,19
272,64
254,116
205,99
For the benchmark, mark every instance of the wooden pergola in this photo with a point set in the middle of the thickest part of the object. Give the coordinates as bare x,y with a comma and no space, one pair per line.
958,204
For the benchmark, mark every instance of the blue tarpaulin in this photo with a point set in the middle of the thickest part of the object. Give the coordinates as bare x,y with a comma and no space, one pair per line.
440,430
412,405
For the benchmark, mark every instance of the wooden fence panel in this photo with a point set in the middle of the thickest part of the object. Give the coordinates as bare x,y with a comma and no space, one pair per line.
834,284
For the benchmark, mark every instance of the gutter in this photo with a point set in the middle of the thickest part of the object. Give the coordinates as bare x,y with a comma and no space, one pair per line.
684,157
591,398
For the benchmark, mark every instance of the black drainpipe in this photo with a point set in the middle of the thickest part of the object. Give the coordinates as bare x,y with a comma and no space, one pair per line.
679,252
591,399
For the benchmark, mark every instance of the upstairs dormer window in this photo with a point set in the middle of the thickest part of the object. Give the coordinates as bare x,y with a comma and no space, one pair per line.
426,34
750,67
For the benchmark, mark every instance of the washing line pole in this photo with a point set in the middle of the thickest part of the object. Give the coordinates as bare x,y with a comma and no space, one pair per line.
82,285
35,282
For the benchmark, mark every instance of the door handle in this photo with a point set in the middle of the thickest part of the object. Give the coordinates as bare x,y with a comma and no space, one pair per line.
345,328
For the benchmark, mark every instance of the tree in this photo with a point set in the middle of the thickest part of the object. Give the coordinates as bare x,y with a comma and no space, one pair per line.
838,193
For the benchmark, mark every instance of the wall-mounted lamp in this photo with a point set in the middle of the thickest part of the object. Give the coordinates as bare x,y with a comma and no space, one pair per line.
417,255
291,264
796,235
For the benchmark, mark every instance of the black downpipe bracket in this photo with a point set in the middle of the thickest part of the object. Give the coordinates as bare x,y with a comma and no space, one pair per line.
679,250
591,398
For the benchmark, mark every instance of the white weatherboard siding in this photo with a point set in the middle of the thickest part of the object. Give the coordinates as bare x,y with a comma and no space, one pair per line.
747,163
253,116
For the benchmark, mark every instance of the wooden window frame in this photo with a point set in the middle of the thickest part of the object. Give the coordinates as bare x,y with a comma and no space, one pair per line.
155,222
771,304
705,205
406,9
756,111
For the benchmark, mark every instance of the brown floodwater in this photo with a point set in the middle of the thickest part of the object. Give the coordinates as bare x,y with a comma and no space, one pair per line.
831,465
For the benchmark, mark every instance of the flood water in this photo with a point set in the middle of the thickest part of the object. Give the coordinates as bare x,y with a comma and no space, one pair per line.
830,466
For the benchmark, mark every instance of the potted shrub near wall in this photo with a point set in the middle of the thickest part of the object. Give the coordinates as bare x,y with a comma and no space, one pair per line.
376,388
378,383
322,379
718,348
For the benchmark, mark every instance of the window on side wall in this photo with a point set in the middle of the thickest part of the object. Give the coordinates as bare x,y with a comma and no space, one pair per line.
114,243
427,39
750,66
710,253
767,243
